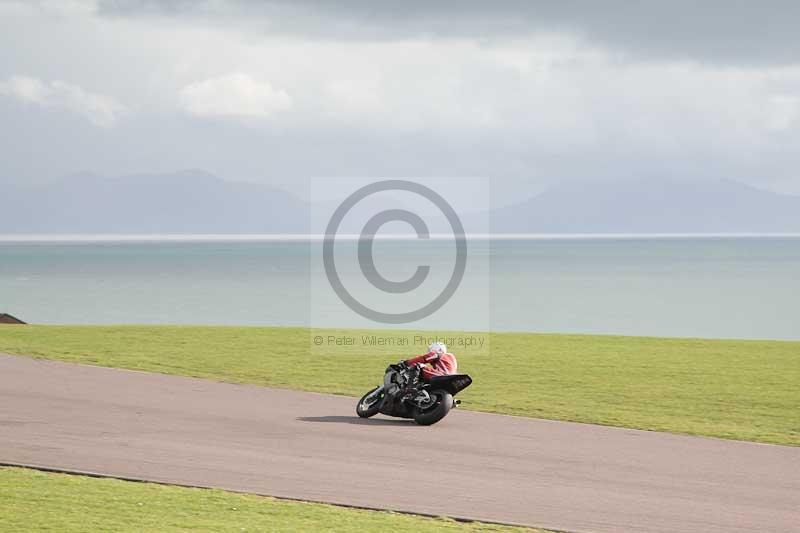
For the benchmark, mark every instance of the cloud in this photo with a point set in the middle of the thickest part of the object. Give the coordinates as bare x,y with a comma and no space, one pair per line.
234,95
55,8
712,31
546,98
99,109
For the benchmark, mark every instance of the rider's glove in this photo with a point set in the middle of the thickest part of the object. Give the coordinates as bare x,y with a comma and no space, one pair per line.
402,365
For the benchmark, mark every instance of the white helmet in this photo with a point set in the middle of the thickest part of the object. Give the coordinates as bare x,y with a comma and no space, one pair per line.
438,348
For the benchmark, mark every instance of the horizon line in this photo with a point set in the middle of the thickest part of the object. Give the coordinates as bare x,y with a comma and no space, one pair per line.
312,237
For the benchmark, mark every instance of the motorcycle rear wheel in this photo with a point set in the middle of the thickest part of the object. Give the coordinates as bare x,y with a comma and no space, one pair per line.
431,415
366,409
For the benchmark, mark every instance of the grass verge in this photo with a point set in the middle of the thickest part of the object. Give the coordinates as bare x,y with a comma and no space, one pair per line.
31,500
734,389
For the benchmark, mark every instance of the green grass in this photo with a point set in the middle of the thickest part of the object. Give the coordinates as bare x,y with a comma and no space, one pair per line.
744,390
39,501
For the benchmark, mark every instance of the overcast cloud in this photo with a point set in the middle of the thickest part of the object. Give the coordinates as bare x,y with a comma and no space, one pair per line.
99,109
526,93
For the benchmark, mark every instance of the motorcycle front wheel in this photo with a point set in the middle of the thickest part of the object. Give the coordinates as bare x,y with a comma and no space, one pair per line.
443,402
370,403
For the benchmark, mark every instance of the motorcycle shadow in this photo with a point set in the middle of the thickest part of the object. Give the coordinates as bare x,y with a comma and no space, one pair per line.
359,421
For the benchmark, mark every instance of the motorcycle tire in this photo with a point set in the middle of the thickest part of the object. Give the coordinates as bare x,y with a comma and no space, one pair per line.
444,402
365,410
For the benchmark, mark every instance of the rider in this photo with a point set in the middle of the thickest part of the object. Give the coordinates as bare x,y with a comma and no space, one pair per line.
437,362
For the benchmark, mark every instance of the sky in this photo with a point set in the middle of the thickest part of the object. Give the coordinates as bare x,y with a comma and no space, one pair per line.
527,94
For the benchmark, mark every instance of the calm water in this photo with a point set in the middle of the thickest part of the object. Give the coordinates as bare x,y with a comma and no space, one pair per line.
701,287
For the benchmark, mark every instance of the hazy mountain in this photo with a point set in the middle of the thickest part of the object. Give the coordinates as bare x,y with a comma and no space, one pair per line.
184,202
198,202
651,206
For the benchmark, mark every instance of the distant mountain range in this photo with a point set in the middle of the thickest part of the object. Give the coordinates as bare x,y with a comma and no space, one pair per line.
200,203
652,206
184,202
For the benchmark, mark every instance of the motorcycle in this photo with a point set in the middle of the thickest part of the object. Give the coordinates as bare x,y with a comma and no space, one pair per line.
405,394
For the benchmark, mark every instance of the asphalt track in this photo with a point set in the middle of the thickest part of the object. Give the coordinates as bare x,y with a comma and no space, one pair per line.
559,475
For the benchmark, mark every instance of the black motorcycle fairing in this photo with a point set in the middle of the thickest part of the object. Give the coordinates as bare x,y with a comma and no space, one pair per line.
392,403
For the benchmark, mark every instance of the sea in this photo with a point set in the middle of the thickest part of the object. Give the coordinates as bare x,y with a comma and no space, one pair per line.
710,286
